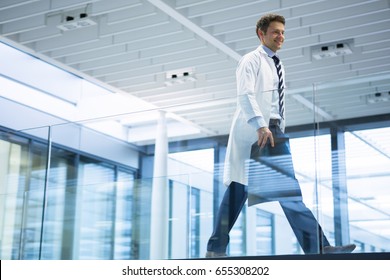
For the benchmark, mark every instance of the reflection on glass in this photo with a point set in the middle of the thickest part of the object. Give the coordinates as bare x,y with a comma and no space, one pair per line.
264,233
237,244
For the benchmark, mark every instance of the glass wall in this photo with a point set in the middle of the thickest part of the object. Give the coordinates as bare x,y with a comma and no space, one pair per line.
23,181
68,211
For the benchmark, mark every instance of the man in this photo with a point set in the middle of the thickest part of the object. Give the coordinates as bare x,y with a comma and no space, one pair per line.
260,116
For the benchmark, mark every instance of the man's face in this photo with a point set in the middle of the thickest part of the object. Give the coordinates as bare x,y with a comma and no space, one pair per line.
274,37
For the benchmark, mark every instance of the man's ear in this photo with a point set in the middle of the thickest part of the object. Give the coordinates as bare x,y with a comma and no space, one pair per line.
260,34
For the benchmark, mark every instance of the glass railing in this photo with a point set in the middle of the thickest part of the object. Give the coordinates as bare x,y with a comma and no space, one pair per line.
113,188
352,166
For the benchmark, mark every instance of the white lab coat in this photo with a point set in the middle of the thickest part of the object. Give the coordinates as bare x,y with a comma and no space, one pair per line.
256,80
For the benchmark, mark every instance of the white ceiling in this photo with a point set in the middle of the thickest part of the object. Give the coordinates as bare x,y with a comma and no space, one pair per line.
136,44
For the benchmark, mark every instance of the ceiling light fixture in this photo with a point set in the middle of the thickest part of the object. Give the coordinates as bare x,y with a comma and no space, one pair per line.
331,50
378,97
72,22
180,76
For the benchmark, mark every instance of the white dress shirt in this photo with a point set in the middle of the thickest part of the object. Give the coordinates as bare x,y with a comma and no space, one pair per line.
258,122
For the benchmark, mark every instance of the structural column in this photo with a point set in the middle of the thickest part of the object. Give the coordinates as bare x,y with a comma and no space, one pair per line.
160,195
339,187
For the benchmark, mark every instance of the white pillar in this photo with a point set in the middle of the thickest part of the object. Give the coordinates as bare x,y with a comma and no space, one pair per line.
160,197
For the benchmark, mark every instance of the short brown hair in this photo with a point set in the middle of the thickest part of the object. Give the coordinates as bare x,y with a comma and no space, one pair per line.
265,21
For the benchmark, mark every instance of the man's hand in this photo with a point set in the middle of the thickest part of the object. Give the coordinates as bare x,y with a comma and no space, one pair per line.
264,134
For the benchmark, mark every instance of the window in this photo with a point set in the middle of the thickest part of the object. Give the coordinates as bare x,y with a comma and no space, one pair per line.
88,211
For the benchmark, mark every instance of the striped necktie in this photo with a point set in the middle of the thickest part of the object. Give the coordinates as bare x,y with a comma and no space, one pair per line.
281,85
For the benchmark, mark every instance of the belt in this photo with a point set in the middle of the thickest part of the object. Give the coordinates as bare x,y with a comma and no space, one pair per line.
274,122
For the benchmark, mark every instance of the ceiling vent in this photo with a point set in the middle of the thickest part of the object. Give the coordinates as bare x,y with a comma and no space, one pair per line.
74,21
331,50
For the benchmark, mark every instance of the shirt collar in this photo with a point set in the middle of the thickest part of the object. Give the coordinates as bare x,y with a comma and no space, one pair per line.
268,51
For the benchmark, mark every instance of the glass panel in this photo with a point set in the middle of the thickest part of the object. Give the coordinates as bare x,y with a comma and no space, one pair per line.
189,219
192,200
264,233
368,178
14,156
195,223
237,244
23,184
312,164
179,222
125,217
352,159
95,206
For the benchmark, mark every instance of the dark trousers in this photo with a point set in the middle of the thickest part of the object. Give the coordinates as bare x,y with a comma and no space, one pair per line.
302,221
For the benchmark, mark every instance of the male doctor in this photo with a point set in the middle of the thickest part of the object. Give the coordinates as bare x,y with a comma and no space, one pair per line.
260,116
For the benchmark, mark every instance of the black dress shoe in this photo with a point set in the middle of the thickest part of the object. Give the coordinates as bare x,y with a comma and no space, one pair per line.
339,249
